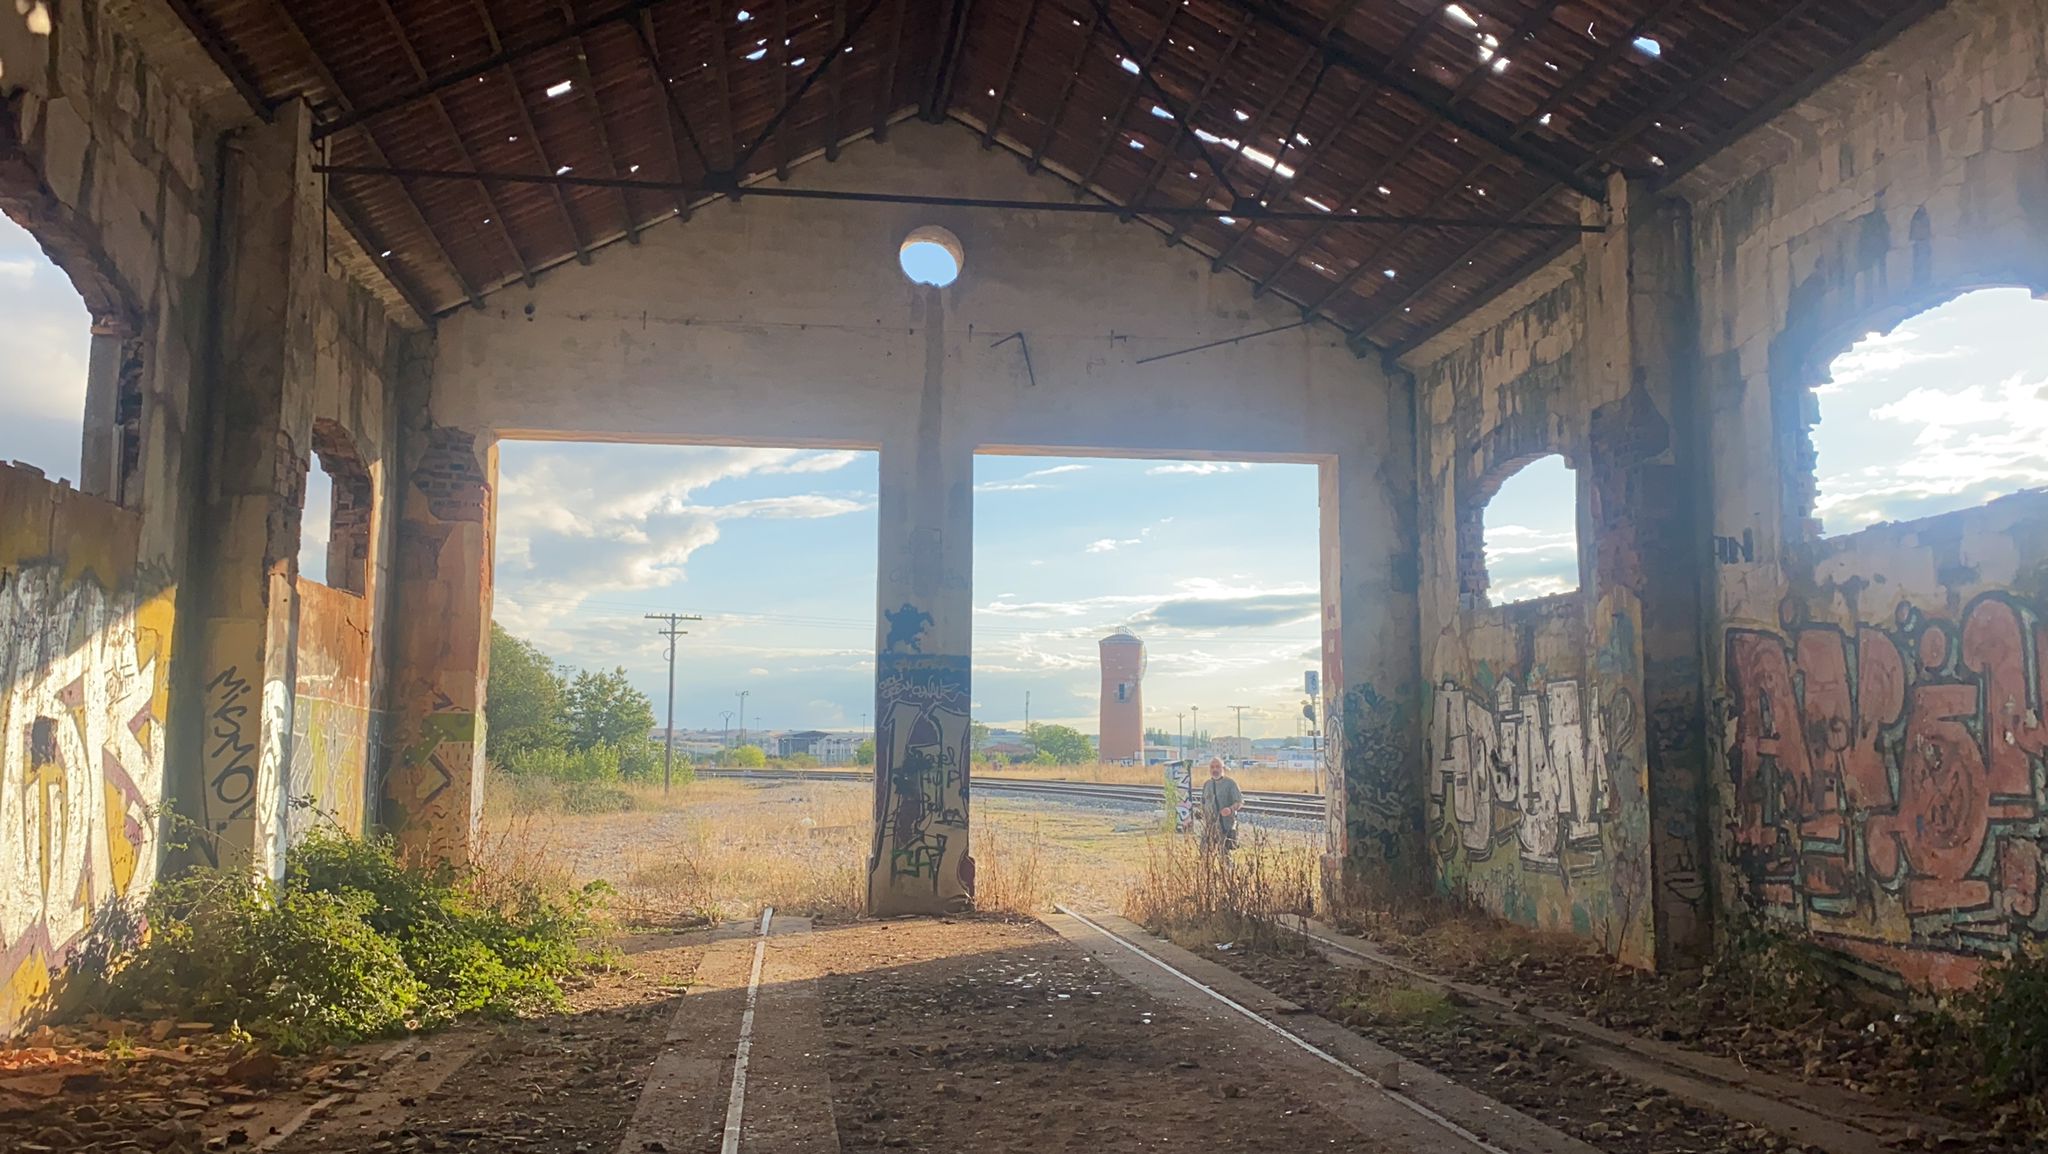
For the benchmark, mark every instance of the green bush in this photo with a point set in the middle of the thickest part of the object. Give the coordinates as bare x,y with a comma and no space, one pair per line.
353,943
2008,1014
599,763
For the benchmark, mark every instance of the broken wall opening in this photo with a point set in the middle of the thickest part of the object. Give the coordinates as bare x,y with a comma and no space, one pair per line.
1945,410
774,547
1520,540
1134,602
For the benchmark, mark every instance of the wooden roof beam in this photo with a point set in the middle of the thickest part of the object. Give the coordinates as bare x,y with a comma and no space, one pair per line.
1181,127
1138,79
995,119
954,29
1353,57
885,102
677,118
440,106
327,78
1059,108
588,82
833,129
532,134
1256,126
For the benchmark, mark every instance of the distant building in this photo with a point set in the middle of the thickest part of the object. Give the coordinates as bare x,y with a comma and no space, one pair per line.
1123,705
800,743
1231,748
838,748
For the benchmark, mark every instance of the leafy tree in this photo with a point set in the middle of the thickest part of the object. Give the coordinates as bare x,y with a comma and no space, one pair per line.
523,705
1066,745
977,736
604,709
749,757
864,753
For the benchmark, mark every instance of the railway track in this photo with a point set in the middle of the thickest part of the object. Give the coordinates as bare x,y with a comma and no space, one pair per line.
1298,806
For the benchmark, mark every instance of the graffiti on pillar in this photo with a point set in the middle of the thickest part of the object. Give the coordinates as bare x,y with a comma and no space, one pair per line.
438,759
921,759
1521,770
906,629
1887,780
1331,760
84,670
1382,802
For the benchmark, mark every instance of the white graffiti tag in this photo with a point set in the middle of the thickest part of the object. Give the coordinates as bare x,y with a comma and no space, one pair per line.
1530,767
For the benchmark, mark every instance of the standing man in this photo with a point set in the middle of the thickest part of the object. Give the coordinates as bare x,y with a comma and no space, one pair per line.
1221,799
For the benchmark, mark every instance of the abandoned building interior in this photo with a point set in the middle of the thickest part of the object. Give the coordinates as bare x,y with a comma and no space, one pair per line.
1418,245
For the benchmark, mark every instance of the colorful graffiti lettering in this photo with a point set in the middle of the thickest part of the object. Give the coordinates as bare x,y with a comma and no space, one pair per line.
1887,781
81,764
1527,768
921,770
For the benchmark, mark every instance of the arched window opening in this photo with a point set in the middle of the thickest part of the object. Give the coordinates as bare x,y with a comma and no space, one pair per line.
1944,412
1529,533
334,526
47,346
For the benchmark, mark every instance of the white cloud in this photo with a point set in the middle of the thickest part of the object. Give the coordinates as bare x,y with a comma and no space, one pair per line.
1054,471
1006,487
1197,468
1110,544
816,462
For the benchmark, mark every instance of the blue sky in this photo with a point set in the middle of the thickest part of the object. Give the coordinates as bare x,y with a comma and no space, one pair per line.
1213,563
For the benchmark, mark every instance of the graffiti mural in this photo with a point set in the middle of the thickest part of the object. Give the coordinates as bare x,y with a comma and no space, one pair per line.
921,782
1522,771
84,669
1887,781
327,782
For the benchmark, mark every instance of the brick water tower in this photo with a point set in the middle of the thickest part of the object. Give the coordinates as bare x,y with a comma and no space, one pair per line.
1123,707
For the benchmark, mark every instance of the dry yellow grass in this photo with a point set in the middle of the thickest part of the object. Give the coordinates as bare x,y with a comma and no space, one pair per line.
723,848
1196,898
1259,778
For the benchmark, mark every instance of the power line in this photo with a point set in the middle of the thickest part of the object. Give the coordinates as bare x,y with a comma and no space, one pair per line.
668,737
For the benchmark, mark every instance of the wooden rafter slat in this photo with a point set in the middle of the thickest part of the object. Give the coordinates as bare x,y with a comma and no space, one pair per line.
351,223
833,129
1181,127
721,69
940,95
588,83
885,100
1474,76
376,149
995,118
1353,59
673,119
531,132
502,227
782,71
216,50
1067,85
1131,90
1674,97
1256,126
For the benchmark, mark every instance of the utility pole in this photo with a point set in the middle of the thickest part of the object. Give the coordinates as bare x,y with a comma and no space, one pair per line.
1240,718
1197,711
742,695
668,743
725,716
1180,730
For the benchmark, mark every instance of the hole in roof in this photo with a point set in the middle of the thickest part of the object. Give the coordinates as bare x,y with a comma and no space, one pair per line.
1227,219
1658,161
757,54
1457,12
1316,203
1301,140
1127,64
797,63
1385,191
1137,144
1241,114
931,255
1648,46
1544,119
1161,113
1390,274
745,16
563,170
555,90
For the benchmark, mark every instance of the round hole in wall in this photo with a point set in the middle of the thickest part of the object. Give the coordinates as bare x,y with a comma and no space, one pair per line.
931,255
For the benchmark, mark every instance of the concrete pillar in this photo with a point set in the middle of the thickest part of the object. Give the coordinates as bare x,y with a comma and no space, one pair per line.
924,594
1649,558
1372,701
444,496
247,538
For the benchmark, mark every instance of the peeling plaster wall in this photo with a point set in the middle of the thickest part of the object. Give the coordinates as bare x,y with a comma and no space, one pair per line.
85,657
1880,752
113,131
1524,818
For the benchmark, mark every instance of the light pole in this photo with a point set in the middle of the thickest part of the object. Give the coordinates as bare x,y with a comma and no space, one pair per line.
1180,730
1240,718
1197,711
742,695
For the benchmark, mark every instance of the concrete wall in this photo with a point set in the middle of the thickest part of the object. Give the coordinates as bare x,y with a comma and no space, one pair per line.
121,146
1879,697
789,323
1871,773
85,669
